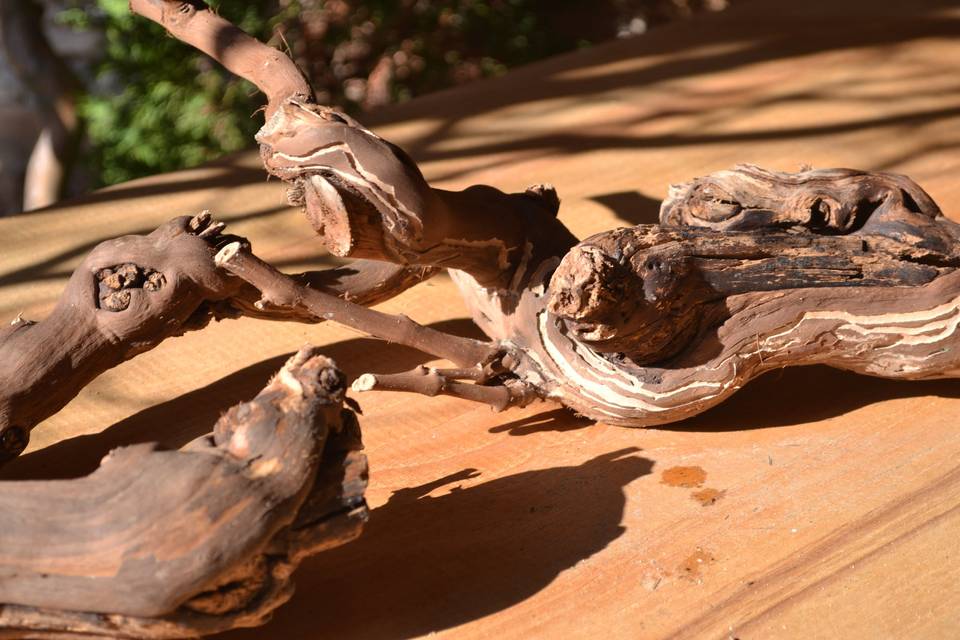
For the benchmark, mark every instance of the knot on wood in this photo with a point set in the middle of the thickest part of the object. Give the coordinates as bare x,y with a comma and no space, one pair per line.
115,284
632,291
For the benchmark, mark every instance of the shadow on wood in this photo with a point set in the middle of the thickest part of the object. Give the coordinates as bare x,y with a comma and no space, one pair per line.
632,207
800,395
429,561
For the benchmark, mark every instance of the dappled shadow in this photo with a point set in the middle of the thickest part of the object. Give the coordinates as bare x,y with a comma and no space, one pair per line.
180,420
709,44
430,562
539,146
228,174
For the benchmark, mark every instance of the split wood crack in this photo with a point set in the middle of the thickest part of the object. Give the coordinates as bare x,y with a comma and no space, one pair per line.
748,270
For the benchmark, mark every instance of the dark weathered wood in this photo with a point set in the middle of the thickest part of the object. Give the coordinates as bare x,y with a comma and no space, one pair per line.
164,544
649,291
104,318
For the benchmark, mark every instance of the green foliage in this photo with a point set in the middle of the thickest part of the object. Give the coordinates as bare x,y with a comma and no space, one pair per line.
157,105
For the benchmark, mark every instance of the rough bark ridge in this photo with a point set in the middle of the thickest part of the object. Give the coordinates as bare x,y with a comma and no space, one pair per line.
748,270
175,544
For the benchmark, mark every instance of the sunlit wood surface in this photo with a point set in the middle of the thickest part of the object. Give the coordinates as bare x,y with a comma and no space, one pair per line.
836,511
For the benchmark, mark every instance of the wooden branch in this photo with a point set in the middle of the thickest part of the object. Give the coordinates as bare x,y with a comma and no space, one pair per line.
430,381
282,292
194,23
825,201
649,325
367,198
716,309
175,544
648,291
130,294
126,297
364,195
366,282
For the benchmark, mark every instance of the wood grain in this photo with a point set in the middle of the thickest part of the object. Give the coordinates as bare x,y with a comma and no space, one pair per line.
838,517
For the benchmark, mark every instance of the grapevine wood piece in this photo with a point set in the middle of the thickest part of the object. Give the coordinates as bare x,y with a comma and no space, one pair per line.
130,294
176,544
863,468
749,269
650,325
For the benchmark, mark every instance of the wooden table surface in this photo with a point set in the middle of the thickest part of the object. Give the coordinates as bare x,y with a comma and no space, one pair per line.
836,510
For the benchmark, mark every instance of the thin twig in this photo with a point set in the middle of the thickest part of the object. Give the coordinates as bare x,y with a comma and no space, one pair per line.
431,382
278,289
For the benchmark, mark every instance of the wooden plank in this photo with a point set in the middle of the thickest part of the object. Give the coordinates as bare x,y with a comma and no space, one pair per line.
836,513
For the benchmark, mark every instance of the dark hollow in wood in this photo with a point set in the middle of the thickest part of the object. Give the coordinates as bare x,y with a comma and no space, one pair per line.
175,544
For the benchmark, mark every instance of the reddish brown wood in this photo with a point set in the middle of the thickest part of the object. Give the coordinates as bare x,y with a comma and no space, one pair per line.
749,270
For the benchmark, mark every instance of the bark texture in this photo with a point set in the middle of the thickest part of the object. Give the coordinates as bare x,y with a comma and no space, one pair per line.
749,269
653,324
650,325
367,199
175,544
